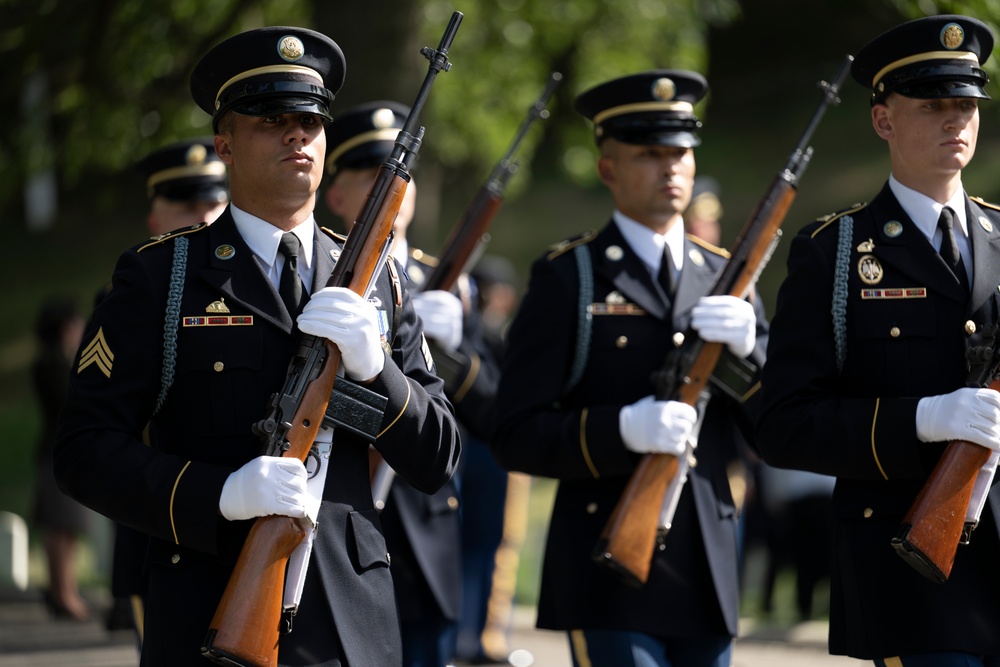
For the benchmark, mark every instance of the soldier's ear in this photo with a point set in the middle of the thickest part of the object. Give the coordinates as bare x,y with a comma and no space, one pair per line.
605,170
223,149
881,121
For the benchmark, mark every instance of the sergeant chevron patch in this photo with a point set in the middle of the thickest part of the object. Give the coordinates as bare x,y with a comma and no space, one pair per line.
97,353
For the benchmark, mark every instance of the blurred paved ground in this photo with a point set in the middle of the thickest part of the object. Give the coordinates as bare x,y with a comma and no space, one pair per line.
29,637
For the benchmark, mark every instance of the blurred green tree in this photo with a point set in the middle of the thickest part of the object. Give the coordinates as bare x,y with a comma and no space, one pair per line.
90,86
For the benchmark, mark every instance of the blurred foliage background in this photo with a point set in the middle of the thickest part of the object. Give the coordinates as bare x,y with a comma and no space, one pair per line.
89,86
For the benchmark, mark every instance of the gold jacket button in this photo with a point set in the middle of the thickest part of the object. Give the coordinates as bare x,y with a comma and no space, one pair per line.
176,558
894,332
621,342
970,327
868,512
591,508
218,366
678,339
453,502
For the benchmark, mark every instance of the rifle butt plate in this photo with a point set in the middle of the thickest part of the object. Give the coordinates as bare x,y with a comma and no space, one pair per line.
602,557
220,656
915,557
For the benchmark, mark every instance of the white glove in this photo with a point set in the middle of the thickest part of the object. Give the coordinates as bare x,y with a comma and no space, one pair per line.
726,319
351,323
661,427
441,313
971,414
268,485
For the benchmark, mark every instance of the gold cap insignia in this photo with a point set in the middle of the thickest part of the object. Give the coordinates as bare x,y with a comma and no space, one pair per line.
893,228
985,224
290,48
614,253
664,89
382,118
217,307
866,246
870,270
196,155
225,251
952,36
696,257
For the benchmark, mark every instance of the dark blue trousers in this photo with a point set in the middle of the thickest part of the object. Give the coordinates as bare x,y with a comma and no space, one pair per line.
610,648
428,643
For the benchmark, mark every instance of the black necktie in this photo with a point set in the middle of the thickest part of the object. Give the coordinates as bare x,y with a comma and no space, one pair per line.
949,249
290,287
666,276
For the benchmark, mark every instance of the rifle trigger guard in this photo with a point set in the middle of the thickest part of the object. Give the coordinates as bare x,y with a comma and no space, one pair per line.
285,625
967,529
316,452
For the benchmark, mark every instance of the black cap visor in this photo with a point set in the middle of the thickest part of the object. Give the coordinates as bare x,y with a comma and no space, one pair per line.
213,192
934,90
935,80
274,98
654,130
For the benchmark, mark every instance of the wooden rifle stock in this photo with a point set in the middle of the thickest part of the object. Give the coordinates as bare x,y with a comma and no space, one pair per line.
250,617
248,620
630,535
932,529
468,237
465,241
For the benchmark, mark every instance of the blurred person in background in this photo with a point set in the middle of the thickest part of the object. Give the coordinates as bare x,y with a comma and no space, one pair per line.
494,501
702,217
586,413
422,531
60,519
496,287
186,183
798,508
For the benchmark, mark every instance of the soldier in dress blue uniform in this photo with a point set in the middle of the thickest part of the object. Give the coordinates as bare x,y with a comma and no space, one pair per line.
194,338
186,183
866,372
423,531
576,403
